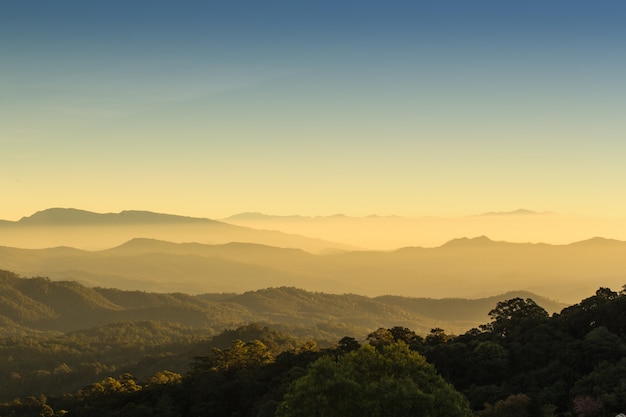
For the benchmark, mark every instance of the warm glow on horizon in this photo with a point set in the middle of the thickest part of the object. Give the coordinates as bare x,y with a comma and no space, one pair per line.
414,110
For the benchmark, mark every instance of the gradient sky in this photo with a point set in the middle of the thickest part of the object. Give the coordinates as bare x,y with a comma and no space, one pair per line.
211,108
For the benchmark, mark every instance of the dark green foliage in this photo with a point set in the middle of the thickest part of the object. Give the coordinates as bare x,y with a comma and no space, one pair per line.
348,344
522,363
248,378
552,360
248,375
512,406
36,305
390,381
64,363
513,317
275,341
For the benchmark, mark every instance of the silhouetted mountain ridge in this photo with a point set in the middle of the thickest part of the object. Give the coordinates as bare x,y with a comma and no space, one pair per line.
71,216
43,305
253,215
232,250
470,242
89,230
473,309
599,242
460,268
518,212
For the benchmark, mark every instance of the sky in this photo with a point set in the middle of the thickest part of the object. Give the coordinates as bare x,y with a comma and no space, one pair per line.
211,108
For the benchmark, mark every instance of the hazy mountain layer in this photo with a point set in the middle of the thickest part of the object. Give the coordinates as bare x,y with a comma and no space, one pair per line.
467,268
393,232
460,268
38,304
87,230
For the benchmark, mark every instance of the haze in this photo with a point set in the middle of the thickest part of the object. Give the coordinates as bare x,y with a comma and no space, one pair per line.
393,232
245,259
445,119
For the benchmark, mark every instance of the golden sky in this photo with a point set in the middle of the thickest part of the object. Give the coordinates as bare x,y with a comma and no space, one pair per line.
409,108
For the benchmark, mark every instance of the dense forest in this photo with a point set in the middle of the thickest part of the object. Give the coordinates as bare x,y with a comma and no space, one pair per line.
521,362
40,305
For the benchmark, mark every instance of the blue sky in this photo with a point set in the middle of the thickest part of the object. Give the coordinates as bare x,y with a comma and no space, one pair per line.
212,108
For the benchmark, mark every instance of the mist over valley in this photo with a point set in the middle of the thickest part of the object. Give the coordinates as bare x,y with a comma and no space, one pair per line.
168,253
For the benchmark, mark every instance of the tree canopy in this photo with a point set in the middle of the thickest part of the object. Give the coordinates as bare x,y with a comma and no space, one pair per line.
392,381
522,363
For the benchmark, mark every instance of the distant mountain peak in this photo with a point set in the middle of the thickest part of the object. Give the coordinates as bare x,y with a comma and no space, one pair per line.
518,212
70,216
58,215
469,242
248,214
338,215
599,241
253,215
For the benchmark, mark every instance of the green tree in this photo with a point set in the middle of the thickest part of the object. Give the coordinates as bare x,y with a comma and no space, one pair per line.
512,318
379,338
347,344
389,381
228,381
513,406
165,377
437,336
490,362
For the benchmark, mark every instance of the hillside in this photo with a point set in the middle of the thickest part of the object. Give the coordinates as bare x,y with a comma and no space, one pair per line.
555,358
38,305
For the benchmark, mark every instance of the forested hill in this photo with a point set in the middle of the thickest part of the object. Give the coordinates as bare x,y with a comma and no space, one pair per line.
522,362
40,305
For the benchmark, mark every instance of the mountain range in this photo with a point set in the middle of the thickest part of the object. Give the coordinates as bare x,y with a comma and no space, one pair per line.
393,232
88,230
460,268
151,252
30,305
